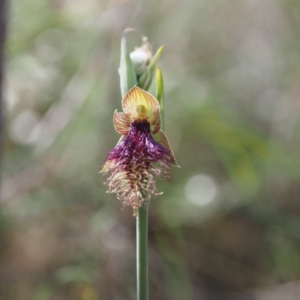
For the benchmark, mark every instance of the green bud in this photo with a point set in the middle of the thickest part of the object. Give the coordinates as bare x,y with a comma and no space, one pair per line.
160,95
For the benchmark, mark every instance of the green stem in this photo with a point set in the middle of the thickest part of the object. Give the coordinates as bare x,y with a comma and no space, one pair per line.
142,252
142,215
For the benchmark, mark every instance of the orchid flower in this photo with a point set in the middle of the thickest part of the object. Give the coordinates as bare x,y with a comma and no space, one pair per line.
143,152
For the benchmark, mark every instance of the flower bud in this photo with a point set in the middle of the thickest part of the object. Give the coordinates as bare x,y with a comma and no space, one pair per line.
141,57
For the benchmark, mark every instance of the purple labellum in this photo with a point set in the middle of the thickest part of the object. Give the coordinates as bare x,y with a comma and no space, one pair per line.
134,165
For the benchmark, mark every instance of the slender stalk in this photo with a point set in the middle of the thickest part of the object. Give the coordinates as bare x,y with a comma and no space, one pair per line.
142,215
142,252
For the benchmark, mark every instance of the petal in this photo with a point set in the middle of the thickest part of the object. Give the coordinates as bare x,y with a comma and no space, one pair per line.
139,104
162,139
121,122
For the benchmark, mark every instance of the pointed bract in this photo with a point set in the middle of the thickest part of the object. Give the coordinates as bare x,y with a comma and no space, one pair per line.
126,71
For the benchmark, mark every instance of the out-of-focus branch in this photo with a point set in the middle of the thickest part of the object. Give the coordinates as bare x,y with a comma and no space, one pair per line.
3,20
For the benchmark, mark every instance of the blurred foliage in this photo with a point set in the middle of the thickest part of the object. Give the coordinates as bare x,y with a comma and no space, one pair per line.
228,224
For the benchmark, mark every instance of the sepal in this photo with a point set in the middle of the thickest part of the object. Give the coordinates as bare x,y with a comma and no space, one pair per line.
162,139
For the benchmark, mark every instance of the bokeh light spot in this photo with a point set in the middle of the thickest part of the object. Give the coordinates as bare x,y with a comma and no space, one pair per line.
201,190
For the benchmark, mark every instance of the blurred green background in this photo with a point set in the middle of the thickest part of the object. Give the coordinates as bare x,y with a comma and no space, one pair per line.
228,224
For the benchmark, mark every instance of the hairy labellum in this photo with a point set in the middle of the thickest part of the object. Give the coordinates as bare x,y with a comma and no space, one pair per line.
135,163
142,155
